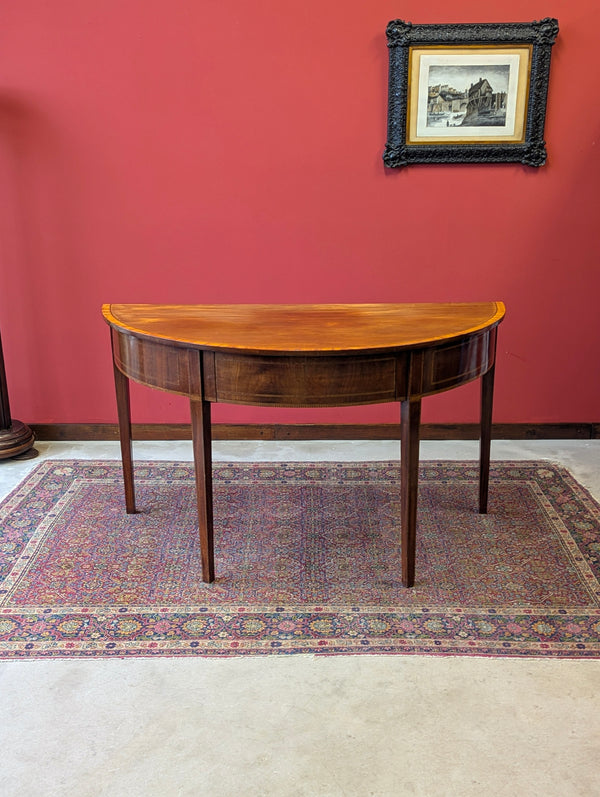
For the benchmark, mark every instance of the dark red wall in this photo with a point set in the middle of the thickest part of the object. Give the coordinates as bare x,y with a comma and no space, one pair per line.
230,151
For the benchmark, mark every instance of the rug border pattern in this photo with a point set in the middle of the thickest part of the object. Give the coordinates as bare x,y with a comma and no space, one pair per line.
126,631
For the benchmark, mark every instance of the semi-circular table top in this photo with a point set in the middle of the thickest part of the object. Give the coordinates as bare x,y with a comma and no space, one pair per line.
304,328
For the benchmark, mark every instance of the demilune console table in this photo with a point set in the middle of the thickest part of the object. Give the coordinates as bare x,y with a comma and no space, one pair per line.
321,355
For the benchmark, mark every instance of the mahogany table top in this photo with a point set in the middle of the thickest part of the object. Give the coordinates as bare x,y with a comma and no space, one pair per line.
304,328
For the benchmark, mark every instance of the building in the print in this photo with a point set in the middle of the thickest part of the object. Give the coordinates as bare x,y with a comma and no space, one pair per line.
443,99
484,105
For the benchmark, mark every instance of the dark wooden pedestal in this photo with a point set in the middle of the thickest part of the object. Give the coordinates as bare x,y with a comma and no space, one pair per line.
16,439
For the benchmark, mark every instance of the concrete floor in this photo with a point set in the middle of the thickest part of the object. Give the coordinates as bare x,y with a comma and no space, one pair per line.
302,726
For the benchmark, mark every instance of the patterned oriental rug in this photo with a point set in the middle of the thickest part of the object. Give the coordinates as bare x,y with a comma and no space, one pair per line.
307,561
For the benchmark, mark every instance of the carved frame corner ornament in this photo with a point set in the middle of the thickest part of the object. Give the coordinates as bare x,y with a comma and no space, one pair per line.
482,125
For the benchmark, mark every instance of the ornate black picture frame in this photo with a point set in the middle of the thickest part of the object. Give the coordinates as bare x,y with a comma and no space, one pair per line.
468,93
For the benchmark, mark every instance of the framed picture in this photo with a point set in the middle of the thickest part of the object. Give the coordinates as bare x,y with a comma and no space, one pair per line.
468,93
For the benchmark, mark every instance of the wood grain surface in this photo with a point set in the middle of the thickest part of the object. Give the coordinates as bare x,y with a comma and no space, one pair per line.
314,328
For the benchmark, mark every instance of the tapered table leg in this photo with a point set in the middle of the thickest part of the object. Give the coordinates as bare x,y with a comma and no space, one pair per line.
409,485
487,395
124,412
201,440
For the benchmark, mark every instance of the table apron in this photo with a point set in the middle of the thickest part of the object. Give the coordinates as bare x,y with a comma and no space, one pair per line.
298,380
452,364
